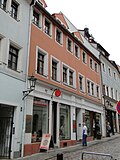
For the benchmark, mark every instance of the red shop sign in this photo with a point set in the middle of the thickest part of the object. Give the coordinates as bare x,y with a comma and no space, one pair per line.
57,92
118,107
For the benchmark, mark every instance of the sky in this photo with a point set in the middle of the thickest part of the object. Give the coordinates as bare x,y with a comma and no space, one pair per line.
102,17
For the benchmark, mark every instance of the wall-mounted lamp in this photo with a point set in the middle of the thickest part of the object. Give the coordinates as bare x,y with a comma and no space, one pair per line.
32,82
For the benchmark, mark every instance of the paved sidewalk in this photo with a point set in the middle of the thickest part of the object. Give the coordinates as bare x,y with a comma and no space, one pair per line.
52,153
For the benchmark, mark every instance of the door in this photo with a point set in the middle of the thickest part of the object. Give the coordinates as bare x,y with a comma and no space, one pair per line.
6,124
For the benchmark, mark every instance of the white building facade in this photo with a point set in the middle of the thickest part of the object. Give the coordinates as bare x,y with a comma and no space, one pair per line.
14,43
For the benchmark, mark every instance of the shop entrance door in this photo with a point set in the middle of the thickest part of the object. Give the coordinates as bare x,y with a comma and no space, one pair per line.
6,124
54,136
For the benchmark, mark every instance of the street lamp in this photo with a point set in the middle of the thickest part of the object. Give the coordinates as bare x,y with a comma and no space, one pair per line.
32,82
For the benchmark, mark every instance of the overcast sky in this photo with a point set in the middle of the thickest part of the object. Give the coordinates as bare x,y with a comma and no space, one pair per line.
102,17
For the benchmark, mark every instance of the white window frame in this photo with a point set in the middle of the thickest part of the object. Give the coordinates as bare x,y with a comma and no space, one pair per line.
71,50
109,72
103,67
18,11
98,91
58,69
83,82
40,19
91,60
96,69
61,36
74,75
46,19
45,72
94,89
75,45
85,57
20,56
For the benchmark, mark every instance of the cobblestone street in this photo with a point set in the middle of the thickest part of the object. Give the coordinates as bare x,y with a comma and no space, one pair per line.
108,145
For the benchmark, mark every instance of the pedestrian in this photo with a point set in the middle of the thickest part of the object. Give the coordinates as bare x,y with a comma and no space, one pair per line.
108,129
84,135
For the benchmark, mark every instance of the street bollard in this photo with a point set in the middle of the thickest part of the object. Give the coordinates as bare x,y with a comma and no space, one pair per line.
59,156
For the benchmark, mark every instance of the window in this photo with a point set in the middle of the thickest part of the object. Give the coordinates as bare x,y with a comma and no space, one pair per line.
70,77
14,10
92,88
69,45
115,76
84,58
36,18
81,83
64,122
88,87
111,92
54,70
77,51
59,37
107,90
40,64
13,58
109,71
3,4
96,67
91,63
97,91
40,119
64,75
103,67
48,27
104,90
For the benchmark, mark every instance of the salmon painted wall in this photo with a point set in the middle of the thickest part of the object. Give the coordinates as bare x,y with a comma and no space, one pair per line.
39,38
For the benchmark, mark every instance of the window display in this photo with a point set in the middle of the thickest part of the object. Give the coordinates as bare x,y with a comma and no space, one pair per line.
64,122
40,119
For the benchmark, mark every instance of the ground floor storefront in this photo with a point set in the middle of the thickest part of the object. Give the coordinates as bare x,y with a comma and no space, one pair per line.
62,117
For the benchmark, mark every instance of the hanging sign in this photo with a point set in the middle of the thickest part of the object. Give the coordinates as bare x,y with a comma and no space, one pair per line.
118,107
57,92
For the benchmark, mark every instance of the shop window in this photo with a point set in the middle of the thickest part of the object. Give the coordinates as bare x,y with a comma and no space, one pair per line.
40,119
64,131
3,4
87,122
